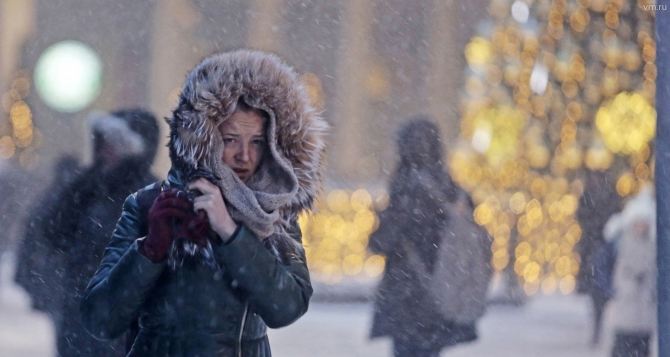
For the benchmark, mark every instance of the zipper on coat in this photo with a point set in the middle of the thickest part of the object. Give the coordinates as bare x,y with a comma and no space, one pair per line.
242,324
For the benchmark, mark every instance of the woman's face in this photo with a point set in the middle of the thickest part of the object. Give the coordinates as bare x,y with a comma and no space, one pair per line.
244,142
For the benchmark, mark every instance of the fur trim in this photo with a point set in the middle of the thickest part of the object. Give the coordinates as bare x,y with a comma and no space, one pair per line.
118,134
209,97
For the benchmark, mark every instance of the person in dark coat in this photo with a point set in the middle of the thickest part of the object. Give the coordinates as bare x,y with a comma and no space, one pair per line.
124,145
16,191
413,223
597,203
39,272
209,258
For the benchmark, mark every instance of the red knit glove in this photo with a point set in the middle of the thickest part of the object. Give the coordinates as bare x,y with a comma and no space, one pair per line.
197,228
167,214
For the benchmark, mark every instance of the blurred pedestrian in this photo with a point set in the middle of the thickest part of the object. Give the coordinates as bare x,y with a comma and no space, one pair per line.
212,256
40,272
16,186
597,204
124,146
634,303
602,262
415,228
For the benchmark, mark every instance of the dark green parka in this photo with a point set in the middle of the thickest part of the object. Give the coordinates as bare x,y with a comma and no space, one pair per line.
198,310
194,310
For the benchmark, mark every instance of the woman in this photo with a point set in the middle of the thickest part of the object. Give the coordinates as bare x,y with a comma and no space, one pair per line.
633,308
246,140
413,225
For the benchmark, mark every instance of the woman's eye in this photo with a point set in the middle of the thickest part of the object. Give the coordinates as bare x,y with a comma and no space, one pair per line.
259,142
228,140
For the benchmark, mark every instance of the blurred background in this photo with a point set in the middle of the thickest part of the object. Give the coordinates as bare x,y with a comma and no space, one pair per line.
546,110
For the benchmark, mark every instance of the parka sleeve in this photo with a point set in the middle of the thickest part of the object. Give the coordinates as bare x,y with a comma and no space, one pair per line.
123,280
278,292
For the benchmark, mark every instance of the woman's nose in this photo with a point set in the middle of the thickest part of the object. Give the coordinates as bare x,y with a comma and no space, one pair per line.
243,153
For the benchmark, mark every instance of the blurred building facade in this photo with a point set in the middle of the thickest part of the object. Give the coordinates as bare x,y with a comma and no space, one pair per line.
523,108
368,64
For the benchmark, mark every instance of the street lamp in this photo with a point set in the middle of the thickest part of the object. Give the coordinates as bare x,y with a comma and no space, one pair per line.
68,76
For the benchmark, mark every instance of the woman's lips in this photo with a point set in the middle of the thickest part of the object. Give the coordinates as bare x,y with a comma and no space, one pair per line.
241,171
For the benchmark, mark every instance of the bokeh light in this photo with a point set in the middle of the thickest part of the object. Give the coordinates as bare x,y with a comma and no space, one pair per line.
68,76
336,236
627,123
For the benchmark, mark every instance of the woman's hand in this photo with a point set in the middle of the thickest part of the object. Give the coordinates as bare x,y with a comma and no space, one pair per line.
211,201
167,208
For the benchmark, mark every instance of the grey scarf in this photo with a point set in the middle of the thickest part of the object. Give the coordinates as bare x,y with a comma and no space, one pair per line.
257,203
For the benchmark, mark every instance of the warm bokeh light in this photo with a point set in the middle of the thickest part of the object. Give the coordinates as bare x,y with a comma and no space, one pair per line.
478,52
560,110
336,236
495,132
18,135
314,89
377,82
21,119
627,123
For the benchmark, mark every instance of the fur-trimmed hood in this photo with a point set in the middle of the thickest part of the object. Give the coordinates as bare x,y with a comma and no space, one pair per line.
263,81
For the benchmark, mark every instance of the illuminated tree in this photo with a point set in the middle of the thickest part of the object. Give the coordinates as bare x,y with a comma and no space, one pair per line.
336,237
554,90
